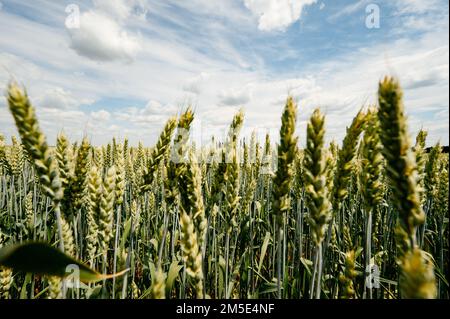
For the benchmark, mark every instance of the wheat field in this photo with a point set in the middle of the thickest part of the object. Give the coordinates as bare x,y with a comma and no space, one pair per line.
362,218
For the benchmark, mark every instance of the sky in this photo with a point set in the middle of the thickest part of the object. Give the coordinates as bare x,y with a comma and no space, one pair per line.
104,68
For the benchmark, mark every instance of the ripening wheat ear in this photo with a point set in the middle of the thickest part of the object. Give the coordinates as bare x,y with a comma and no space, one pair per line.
192,198
3,158
284,175
107,161
16,157
64,159
400,160
94,195
158,152
182,134
231,189
54,287
158,288
77,184
35,143
107,201
6,281
286,156
316,192
417,276
417,280
69,246
176,167
235,128
371,185
191,252
314,174
120,174
345,159
347,277
419,150
431,177
29,212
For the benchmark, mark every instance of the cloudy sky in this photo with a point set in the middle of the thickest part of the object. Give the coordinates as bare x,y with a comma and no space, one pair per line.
130,64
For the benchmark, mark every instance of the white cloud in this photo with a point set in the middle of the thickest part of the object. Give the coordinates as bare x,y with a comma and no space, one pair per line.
217,118
236,96
150,115
277,14
115,8
101,38
101,115
350,9
416,6
57,98
194,85
14,67
419,16
156,108
340,87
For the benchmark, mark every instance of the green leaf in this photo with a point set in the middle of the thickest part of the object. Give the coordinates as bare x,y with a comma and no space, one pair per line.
125,234
94,292
42,292
308,264
358,252
23,291
263,250
267,288
441,276
152,269
154,242
172,275
43,259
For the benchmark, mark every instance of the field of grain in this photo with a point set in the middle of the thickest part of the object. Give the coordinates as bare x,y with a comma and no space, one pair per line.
366,217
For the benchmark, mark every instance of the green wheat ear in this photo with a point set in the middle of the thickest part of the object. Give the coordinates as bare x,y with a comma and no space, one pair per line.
78,182
417,280
106,211
348,275
345,160
287,150
6,281
419,150
34,141
158,152
315,177
401,164
64,159
191,198
191,252
371,184
315,172
158,288
417,274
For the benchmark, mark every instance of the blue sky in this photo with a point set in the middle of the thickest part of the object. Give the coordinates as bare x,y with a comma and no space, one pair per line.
131,64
